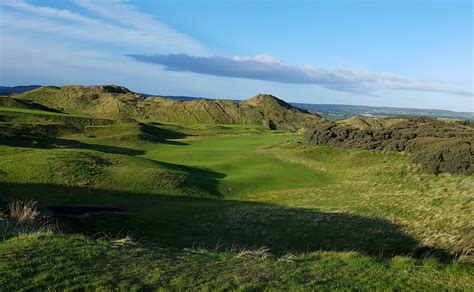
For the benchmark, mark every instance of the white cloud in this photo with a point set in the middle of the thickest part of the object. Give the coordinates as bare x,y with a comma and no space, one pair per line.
49,12
126,14
268,68
134,30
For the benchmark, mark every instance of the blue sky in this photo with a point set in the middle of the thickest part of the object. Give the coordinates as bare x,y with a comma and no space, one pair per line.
386,53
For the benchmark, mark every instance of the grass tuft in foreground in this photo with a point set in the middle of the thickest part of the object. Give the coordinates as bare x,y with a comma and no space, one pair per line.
23,218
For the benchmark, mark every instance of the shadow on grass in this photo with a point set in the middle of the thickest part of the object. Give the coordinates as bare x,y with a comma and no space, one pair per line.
163,135
184,222
47,142
201,178
38,137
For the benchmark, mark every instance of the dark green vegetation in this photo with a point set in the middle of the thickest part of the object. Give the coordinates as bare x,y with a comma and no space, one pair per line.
144,205
439,146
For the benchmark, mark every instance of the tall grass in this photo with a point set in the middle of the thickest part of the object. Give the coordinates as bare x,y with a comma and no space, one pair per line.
24,218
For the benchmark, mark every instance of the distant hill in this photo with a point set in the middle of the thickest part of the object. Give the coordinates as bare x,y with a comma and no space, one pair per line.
331,111
117,102
344,111
7,90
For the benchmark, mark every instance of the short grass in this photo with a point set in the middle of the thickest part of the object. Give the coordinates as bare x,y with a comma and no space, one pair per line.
233,207
241,169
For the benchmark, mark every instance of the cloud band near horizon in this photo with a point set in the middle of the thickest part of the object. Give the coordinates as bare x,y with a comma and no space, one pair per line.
267,68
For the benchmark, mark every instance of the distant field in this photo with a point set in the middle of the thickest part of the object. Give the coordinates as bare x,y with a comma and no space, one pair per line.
231,207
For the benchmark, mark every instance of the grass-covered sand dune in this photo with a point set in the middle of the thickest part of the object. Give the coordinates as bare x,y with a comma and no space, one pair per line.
218,207
117,102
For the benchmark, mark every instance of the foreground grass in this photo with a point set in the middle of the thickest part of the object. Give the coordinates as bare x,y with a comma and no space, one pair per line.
60,262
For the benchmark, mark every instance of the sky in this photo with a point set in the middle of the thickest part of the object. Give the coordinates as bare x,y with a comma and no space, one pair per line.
405,53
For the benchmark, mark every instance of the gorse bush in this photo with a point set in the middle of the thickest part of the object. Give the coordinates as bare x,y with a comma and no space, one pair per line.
24,218
438,146
443,154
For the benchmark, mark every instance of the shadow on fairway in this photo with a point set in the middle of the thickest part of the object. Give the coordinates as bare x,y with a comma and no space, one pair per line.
184,222
31,137
52,142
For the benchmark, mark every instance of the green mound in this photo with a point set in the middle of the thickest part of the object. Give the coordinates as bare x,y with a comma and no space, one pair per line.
112,102
88,154
89,176
129,134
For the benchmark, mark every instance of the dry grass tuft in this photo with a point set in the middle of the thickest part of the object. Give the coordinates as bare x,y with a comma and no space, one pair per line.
467,253
118,240
288,257
261,252
24,218
24,212
123,242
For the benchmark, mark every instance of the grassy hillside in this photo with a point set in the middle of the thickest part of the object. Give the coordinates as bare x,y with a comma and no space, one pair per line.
224,207
115,102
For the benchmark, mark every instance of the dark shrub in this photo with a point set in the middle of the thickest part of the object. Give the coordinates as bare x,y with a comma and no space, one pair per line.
438,146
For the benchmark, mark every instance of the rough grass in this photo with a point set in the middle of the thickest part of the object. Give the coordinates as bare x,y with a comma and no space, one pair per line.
436,210
23,218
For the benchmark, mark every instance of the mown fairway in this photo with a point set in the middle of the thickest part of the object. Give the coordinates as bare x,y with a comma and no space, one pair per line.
239,164
229,207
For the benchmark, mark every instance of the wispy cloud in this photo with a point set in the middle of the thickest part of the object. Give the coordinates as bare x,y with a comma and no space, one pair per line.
264,67
48,11
126,14
116,22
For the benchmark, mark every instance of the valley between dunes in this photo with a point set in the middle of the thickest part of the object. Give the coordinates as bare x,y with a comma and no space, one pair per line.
195,206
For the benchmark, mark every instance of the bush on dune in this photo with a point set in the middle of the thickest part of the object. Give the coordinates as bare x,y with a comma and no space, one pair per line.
438,155
438,146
